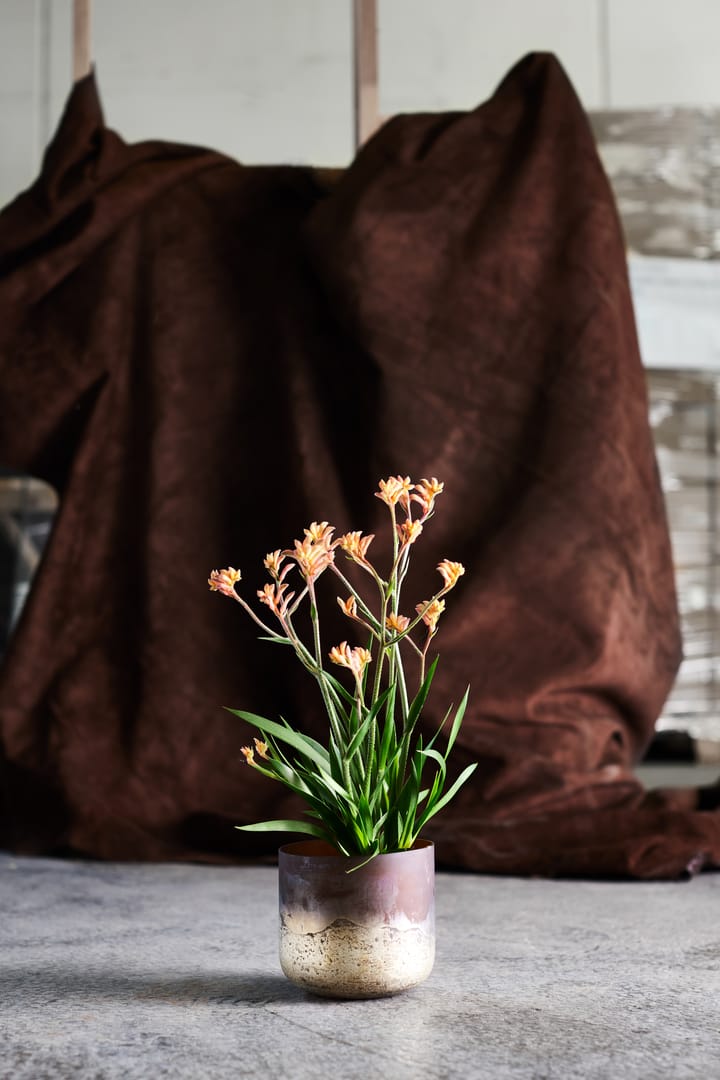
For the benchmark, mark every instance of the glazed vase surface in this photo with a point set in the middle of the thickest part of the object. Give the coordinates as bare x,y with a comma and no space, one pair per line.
356,931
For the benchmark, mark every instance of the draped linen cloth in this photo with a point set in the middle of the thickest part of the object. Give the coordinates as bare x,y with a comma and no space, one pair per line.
204,357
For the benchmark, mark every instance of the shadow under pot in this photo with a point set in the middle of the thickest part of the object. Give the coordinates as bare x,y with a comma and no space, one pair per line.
349,930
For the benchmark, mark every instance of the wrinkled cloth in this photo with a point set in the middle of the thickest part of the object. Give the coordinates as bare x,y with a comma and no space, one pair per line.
204,357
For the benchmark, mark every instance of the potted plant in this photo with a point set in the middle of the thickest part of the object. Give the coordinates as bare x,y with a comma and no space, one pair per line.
356,899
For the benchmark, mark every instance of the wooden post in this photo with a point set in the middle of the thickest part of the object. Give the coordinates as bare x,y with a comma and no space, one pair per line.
82,39
367,116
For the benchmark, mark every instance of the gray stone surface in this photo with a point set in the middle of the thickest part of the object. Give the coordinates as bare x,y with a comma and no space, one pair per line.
147,971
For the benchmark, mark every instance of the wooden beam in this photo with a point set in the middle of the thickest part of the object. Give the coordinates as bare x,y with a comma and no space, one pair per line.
365,29
82,38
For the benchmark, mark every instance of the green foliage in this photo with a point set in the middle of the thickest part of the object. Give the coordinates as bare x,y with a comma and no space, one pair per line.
375,785
382,804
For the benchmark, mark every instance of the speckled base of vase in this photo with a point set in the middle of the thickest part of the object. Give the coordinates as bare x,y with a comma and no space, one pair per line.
360,934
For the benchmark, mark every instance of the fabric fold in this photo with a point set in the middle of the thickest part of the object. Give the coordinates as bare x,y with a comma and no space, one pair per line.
178,336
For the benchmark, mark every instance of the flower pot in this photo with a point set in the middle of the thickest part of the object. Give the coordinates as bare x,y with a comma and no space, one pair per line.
356,933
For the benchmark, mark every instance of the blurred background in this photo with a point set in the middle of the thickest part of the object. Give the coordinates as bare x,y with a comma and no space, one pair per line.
270,81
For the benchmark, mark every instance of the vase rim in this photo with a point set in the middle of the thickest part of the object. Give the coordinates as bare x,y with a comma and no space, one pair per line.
320,849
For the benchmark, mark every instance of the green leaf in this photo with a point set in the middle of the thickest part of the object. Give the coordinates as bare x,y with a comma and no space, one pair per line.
359,736
407,806
378,826
287,825
311,788
421,696
308,738
280,770
335,761
365,862
302,743
432,794
440,727
413,716
340,690
388,741
460,713
435,755
433,808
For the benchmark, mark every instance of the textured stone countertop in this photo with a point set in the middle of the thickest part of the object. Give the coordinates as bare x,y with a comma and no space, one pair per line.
114,970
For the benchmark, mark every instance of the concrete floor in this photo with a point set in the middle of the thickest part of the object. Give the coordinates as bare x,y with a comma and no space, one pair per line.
147,971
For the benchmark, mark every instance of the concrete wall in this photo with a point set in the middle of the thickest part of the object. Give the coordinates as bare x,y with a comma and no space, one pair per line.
270,80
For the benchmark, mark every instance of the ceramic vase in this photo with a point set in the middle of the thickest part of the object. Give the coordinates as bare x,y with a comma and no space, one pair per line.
356,931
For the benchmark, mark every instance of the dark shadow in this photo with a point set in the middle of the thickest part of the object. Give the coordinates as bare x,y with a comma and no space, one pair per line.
88,986
93,985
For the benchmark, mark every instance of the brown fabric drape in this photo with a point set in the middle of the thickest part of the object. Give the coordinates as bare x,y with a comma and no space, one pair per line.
204,357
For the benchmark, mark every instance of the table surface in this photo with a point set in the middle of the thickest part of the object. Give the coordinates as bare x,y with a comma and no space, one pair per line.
170,970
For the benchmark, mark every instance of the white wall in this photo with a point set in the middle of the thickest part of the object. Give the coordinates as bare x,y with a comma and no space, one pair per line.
270,80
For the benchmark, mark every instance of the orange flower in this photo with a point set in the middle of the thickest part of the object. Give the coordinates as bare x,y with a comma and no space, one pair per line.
319,531
355,545
273,596
273,561
356,659
426,492
313,556
431,612
398,623
395,489
450,572
248,754
262,748
224,581
408,531
349,606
